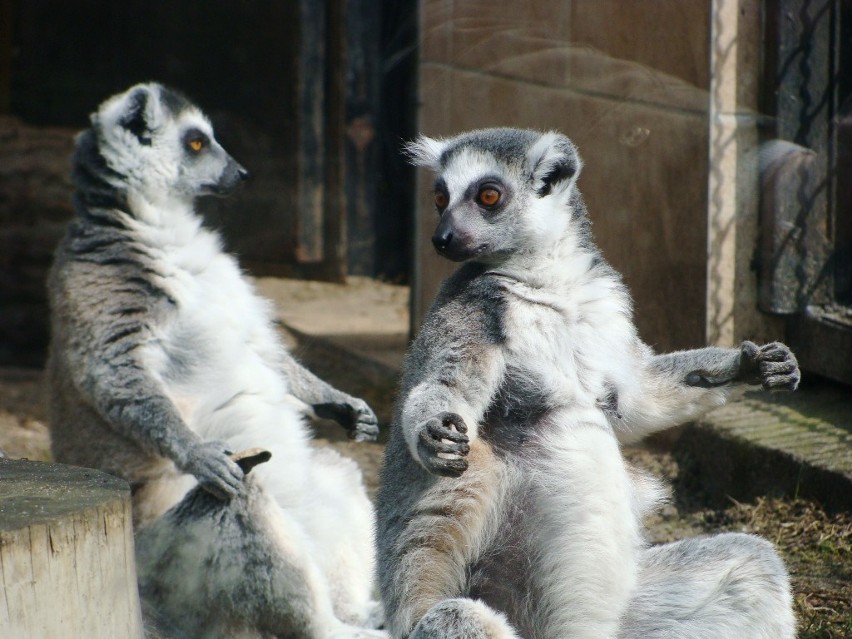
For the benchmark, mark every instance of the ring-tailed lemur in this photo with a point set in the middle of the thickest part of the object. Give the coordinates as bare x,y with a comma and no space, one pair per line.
163,358
506,508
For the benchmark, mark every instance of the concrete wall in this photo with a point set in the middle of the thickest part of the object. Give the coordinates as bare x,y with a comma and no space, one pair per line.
630,83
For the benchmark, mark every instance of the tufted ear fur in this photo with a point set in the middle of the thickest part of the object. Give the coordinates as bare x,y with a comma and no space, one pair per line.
553,163
425,152
138,110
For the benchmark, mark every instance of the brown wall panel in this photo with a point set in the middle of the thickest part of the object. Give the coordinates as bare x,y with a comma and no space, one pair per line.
642,130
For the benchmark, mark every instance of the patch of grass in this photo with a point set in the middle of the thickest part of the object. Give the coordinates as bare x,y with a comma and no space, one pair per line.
816,545
817,548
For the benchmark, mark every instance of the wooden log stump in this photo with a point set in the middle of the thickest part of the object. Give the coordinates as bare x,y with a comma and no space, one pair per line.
67,566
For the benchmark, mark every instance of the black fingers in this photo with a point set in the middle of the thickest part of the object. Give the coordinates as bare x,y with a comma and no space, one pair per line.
447,467
443,445
773,366
778,367
448,426
774,352
452,419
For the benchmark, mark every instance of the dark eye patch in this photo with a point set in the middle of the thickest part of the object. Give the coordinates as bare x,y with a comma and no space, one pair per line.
442,195
195,140
489,182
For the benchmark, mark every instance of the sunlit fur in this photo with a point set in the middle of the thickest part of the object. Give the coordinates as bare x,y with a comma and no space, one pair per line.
163,356
532,527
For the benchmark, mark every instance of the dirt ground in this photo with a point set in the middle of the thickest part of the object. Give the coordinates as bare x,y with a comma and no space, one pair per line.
816,545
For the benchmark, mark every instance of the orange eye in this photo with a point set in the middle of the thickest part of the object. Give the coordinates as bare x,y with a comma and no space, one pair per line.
489,197
196,144
441,200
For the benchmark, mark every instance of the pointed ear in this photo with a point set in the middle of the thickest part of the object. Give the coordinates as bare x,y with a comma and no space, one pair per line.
134,118
138,110
554,163
425,152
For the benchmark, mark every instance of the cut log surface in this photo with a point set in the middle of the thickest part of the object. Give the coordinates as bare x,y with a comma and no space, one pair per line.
67,566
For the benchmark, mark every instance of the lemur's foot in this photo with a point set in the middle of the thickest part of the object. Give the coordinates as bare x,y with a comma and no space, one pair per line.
773,366
443,445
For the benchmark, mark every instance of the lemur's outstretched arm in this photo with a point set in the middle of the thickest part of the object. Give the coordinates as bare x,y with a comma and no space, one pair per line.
329,403
681,386
440,414
133,402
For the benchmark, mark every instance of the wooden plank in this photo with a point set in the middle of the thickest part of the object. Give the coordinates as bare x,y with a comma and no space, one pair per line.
732,212
311,152
362,75
649,223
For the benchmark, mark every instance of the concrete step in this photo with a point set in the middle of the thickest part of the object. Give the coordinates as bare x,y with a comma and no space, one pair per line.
780,444
353,335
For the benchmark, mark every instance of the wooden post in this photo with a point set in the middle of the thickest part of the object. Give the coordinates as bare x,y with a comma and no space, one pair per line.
67,565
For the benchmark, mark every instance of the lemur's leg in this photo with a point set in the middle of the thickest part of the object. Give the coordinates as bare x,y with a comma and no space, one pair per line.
426,562
730,585
327,402
341,522
462,619
584,528
677,387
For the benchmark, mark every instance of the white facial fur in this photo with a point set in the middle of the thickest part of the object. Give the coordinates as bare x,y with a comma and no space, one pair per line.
159,167
536,210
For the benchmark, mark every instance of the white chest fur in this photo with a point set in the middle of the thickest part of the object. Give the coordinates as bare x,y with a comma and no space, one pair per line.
217,352
574,338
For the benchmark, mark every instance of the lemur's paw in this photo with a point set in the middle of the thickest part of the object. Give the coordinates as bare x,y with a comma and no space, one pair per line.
354,415
443,445
215,471
365,423
773,366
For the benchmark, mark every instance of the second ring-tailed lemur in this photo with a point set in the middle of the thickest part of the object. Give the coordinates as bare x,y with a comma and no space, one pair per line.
506,508
163,358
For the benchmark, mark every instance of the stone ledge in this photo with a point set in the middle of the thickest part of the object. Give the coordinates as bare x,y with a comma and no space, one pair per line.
796,444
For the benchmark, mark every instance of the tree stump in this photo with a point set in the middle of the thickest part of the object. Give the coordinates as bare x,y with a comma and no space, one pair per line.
67,566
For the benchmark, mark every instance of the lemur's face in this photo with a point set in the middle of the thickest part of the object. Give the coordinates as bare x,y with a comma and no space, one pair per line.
163,146
499,192
477,200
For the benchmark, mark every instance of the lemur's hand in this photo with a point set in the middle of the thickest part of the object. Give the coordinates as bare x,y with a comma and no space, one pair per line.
773,366
215,471
442,445
354,415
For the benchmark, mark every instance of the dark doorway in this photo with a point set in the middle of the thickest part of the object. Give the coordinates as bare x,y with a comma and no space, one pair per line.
315,98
